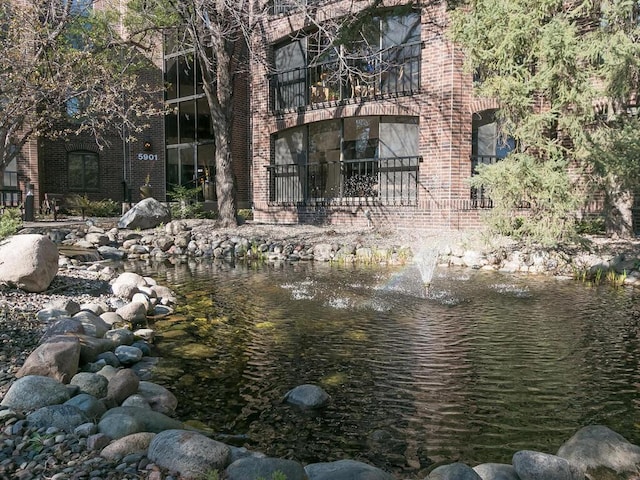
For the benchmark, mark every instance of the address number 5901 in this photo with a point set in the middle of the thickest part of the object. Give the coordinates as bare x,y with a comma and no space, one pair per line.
147,156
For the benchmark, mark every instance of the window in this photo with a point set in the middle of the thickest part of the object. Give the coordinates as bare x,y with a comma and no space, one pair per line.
383,60
488,147
10,175
84,171
354,158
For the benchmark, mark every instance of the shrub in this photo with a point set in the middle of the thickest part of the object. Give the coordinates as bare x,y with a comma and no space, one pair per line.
10,222
81,205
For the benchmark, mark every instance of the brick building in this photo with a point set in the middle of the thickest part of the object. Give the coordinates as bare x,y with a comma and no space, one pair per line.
387,133
384,130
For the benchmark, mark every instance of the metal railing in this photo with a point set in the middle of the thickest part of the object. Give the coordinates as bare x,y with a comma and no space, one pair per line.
479,197
386,181
394,71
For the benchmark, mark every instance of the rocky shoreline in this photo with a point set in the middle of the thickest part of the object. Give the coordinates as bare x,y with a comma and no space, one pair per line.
86,275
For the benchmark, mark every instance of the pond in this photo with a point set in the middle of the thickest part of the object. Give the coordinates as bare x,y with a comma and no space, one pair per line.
475,368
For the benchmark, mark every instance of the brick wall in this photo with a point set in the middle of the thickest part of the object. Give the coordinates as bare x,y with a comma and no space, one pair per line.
443,107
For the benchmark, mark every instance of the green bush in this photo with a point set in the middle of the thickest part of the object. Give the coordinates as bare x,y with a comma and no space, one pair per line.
82,205
10,222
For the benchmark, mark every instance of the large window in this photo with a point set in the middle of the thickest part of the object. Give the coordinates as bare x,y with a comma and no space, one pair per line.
356,158
188,126
84,171
383,60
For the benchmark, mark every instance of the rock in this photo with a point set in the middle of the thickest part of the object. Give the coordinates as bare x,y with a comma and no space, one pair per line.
62,417
91,347
264,467
58,358
597,447
119,425
120,336
28,262
190,454
134,312
112,318
98,441
34,391
92,323
47,315
345,470
530,465
455,471
307,396
92,407
159,398
135,443
148,213
128,355
122,385
62,326
149,420
136,401
323,252
111,253
496,471
86,429
91,383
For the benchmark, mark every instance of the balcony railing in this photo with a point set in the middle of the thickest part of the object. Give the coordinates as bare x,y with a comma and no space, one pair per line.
385,181
394,71
10,198
479,197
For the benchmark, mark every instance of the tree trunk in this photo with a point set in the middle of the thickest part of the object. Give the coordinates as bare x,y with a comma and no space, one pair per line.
618,211
220,105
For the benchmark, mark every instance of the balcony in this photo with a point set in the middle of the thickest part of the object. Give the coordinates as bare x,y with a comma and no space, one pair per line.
383,181
392,72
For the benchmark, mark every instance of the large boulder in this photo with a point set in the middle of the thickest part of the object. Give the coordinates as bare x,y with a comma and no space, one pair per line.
58,358
159,398
595,449
191,454
147,420
148,213
33,392
29,262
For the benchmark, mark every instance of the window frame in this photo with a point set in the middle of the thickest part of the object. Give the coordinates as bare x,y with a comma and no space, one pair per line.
93,173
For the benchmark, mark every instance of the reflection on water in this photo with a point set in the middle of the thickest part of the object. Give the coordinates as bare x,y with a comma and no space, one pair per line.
477,367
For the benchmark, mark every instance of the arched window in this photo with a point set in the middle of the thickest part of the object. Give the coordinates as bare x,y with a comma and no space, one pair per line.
84,171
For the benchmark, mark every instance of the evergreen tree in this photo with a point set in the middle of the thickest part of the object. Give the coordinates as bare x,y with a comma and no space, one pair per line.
564,74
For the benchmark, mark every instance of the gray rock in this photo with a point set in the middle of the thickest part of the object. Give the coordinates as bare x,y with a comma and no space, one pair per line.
91,347
35,391
454,471
122,385
135,443
62,417
496,471
345,470
128,355
28,262
120,336
598,447
93,325
91,383
112,318
111,253
264,467
148,420
51,314
530,465
118,425
109,358
159,398
323,252
85,429
62,326
307,396
148,213
97,308
58,358
136,401
190,454
92,407
66,304
134,312
98,441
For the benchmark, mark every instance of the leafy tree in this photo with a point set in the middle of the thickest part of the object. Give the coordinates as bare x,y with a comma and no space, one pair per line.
549,63
65,69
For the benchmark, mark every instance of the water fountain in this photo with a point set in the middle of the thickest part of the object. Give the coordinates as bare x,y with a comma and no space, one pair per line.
426,261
